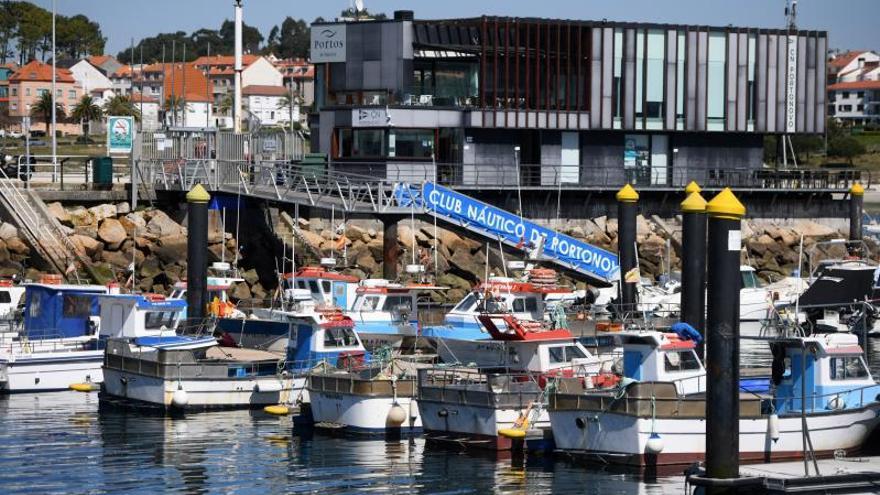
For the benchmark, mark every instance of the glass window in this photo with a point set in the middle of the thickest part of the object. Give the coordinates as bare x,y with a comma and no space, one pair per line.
325,284
361,143
339,337
519,305
716,81
848,368
14,92
369,303
531,304
574,352
680,81
398,303
27,91
313,287
411,143
71,94
616,90
467,303
155,320
749,280
860,94
301,284
75,306
5,298
685,360
845,95
35,304
557,355
655,80
751,101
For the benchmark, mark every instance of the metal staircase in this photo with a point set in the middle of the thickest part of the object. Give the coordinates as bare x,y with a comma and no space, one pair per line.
43,232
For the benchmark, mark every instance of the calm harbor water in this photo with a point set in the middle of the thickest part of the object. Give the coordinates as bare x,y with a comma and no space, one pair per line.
62,443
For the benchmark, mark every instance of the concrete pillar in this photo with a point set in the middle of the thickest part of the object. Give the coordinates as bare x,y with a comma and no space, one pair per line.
627,207
693,259
197,253
722,336
390,250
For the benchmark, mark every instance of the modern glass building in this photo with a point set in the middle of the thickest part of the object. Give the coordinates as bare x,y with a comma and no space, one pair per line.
496,101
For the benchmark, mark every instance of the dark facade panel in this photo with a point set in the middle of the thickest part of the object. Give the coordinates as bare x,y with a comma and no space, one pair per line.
730,81
761,83
690,109
810,97
772,81
671,69
629,79
781,71
801,83
742,77
702,79
821,60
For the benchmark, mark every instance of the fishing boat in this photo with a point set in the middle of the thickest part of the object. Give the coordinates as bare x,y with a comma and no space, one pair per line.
386,313
327,287
55,344
218,289
11,295
464,339
658,418
472,406
147,363
312,335
377,398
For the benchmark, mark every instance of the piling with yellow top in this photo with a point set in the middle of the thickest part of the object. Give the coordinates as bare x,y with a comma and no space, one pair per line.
627,208
722,335
197,253
693,259
856,207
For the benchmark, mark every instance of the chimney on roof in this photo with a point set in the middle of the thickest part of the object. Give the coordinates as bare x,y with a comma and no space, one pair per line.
403,15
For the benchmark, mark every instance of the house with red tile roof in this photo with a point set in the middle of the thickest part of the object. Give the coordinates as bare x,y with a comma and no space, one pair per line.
299,75
269,104
190,89
106,63
34,79
854,87
220,69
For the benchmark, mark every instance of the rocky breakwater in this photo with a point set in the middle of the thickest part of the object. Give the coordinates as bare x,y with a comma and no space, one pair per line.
15,254
117,239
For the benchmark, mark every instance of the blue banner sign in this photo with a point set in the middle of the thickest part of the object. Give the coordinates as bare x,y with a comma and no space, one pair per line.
496,223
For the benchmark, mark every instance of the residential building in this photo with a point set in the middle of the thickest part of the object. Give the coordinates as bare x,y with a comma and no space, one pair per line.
854,90
188,86
6,71
220,69
299,76
33,79
148,106
531,103
269,104
91,79
106,63
121,79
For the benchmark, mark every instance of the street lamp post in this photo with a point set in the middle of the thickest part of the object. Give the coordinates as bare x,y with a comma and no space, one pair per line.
54,93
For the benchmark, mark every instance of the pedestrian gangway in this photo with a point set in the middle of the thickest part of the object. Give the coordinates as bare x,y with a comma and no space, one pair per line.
284,182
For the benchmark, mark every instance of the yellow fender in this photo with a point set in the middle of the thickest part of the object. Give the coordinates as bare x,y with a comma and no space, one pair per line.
513,433
277,410
83,387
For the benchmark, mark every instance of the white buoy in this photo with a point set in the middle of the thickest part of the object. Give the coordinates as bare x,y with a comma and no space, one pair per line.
396,416
773,427
836,403
180,398
654,445
413,410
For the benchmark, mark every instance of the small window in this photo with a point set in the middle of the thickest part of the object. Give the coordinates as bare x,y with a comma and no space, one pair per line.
27,91
848,368
339,337
574,352
325,284
860,108
313,287
685,360
301,284
860,94
557,355
71,94
370,303
531,304
519,305
398,303
75,306
845,94
155,320
14,91
5,298
467,303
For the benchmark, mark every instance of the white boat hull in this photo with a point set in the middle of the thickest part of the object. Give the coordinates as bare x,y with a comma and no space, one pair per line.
242,392
472,425
623,439
480,353
49,371
363,414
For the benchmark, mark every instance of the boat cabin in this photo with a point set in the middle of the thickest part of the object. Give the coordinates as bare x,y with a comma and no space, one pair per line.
829,368
524,300
139,315
10,297
218,296
61,311
326,286
329,337
663,357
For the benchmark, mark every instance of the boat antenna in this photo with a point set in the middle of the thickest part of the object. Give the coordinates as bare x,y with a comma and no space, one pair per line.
223,236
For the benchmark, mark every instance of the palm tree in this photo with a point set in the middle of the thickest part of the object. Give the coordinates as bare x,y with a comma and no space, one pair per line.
224,107
86,111
288,102
43,109
122,106
175,104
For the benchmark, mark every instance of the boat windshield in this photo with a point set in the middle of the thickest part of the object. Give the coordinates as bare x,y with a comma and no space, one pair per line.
564,354
339,337
155,320
467,304
684,360
749,280
398,303
848,368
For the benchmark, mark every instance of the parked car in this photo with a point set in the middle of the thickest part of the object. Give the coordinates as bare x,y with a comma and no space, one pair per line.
17,167
9,134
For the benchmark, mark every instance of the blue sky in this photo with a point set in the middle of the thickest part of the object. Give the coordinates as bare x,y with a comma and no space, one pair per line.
850,23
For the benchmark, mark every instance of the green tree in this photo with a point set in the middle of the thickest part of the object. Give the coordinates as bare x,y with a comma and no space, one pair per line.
78,36
293,38
250,37
224,106
42,110
121,105
846,147
86,111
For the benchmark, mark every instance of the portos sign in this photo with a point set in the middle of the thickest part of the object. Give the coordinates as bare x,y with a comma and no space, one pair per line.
328,43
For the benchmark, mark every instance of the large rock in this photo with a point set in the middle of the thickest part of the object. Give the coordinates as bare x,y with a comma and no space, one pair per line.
367,264
17,246
79,216
405,236
241,292
162,225
131,222
313,239
8,231
467,266
356,233
58,211
376,247
150,268
453,282
116,258
112,233
87,230
101,212
171,249
251,276
4,253
812,229
86,245
123,208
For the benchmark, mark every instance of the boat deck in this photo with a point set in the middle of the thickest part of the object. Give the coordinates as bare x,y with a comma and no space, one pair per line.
241,354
